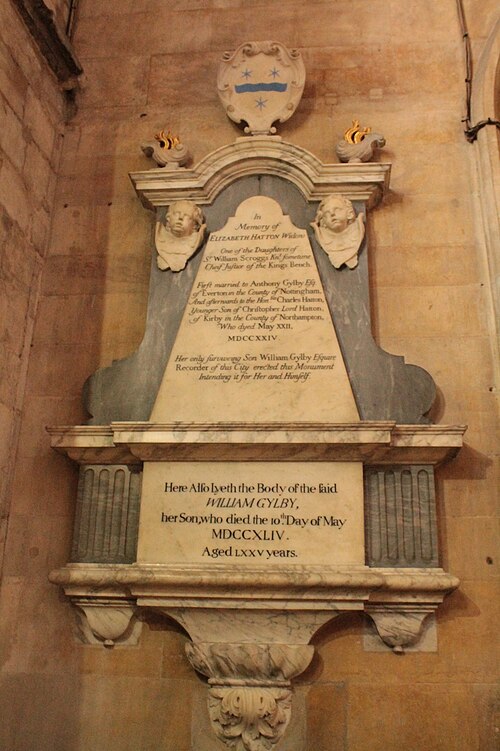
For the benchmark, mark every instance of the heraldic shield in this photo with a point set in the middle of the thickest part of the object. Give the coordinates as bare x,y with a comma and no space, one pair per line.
260,83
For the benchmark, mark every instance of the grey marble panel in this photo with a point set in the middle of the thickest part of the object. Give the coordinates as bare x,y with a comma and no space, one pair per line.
107,514
126,390
385,388
400,516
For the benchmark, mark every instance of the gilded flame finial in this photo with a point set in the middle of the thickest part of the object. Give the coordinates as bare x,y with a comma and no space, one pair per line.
166,150
359,144
355,134
167,140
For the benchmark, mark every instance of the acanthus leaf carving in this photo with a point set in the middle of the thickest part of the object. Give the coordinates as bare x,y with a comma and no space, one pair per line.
249,718
250,695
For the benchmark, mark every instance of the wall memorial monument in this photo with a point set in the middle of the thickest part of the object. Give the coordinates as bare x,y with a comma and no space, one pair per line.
259,465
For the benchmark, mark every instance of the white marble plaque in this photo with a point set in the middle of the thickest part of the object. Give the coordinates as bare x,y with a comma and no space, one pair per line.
256,342
252,513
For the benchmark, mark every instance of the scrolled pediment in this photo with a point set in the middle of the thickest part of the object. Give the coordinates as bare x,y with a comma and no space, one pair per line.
268,155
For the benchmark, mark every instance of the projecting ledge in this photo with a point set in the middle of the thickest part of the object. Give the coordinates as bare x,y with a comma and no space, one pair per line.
255,588
271,600
369,442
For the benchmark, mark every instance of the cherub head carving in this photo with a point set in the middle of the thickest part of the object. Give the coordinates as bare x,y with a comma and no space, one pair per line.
335,213
339,231
183,217
181,235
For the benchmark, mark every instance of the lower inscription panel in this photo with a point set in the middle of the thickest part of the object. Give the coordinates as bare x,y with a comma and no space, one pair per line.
252,512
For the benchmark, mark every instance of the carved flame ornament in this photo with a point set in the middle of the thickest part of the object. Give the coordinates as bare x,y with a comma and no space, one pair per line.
359,144
166,140
166,150
356,134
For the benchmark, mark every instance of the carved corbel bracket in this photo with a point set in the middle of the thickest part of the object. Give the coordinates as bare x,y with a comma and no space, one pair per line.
107,622
250,696
266,619
249,718
399,626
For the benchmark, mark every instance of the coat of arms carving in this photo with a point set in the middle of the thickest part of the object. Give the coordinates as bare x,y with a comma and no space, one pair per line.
260,83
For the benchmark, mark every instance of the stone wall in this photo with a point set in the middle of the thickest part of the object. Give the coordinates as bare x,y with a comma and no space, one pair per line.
31,128
397,67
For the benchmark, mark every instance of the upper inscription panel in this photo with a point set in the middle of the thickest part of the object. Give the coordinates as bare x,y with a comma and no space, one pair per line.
260,83
256,342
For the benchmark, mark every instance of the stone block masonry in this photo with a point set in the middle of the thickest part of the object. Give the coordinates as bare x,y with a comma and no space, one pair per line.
32,112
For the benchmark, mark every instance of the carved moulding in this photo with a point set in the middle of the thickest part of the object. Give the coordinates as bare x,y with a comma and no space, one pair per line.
374,443
262,155
255,606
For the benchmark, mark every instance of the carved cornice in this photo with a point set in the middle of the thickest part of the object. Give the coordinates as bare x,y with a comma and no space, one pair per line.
369,442
213,586
284,606
267,155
